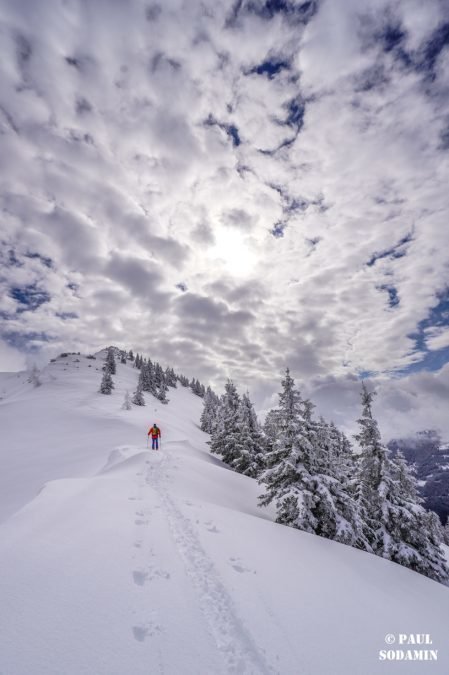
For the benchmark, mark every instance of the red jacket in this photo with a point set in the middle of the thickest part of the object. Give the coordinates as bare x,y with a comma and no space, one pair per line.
155,432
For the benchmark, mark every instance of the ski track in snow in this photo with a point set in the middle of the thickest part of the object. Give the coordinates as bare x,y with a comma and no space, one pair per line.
239,651
149,624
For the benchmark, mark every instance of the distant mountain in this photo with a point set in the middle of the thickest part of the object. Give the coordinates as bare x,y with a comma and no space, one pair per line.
430,456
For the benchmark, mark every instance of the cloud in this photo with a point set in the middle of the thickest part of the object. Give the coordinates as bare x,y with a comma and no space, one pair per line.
438,338
402,405
140,277
233,189
11,359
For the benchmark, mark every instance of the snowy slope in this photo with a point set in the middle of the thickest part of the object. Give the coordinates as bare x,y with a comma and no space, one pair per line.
116,560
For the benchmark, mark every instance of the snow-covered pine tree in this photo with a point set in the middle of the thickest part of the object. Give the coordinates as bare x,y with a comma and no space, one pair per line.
433,562
270,429
302,475
251,442
287,477
403,530
126,405
225,436
159,386
197,388
370,464
122,357
411,536
208,418
110,361
446,532
130,355
183,380
138,397
346,463
107,384
147,376
342,450
334,509
170,377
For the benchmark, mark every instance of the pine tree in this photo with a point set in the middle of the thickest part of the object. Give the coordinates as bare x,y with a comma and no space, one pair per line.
130,355
446,532
126,405
184,381
146,376
287,478
251,442
138,398
270,428
107,384
401,530
159,386
197,388
208,418
345,463
410,535
369,475
110,361
225,436
170,377
334,509
123,357
306,474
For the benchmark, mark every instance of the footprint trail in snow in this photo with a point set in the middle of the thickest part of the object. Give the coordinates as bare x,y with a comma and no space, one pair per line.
237,647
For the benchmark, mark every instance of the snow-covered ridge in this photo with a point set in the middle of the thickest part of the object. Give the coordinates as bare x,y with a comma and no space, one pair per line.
115,559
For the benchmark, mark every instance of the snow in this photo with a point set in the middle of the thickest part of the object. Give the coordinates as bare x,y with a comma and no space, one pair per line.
115,559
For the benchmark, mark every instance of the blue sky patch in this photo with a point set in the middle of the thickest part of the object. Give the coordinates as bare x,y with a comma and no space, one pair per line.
278,229
230,129
431,361
29,297
393,298
397,251
435,45
45,260
391,37
295,113
438,318
271,67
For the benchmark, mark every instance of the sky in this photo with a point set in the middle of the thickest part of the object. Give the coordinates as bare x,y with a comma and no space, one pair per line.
232,188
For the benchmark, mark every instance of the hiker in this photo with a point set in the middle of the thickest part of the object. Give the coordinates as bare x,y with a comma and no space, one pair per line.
155,434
